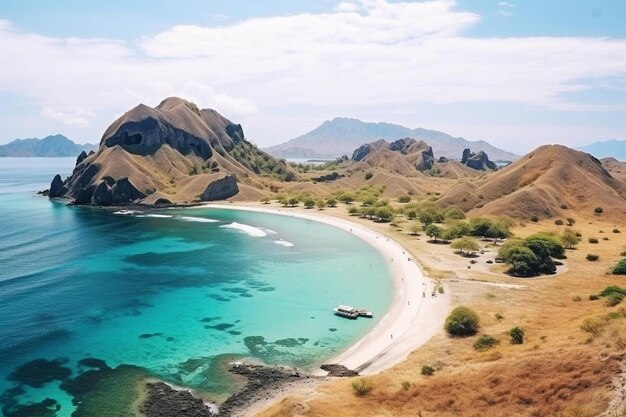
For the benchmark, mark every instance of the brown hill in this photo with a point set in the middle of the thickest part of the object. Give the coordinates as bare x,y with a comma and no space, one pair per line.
551,180
174,153
616,168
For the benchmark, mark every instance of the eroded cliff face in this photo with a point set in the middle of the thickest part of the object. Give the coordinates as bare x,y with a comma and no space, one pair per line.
174,152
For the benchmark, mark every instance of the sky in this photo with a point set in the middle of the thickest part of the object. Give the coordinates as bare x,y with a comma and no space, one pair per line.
515,73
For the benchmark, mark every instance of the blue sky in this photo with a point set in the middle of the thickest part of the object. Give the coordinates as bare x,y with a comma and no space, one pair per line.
516,73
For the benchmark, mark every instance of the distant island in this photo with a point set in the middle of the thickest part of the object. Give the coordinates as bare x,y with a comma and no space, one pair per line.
341,135
609,148
50,146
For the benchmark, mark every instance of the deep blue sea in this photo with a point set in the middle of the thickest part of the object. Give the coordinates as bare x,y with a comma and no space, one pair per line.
92,301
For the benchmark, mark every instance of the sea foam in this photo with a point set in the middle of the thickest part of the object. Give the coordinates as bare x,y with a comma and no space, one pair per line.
250,230
197,219
283,243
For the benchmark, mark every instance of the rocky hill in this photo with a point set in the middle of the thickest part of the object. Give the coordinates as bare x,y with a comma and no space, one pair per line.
340,136
50,146
551,180
173,153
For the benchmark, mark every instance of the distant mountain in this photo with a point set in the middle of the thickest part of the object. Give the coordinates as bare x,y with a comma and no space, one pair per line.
56,145
341,135
609,148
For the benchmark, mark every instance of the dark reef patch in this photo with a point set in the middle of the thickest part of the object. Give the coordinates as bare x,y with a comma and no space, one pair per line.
39,372
221,326
149,335
93,363
45,408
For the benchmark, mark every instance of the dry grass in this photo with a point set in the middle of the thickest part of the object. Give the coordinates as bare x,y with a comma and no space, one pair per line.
560,370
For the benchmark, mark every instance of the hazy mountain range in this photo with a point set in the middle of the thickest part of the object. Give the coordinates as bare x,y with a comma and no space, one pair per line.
341,135
609,148
55,145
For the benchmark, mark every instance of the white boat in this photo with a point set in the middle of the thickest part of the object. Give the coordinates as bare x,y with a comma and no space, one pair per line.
346,311
363,312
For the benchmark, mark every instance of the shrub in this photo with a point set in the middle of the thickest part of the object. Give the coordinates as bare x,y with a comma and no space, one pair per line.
576,298
361,387
598,210
404,199
552,242
620,268
569,238
614,299
485,342
592,325
331,202
369,175
309,203
428,370
517,335
433,231
265,200
454,213
353,211
592,258
570,221
293,201
527,258
499,316
384,214
320,204
594,297
613,289
406,385
534,218
462,322
616,230
593,240
558,222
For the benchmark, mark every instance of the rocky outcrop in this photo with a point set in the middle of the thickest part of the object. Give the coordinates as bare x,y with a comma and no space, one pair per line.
442,160
221,189
364,150
478,161
57,188
164,401
81,157
337,370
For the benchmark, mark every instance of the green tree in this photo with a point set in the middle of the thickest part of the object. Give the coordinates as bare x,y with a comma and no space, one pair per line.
454,213
426,219
346,198
321,203
384,214
433,231
331,202
415,228
309,203
465,244
480,227
293,201
569,238
462,322
497,231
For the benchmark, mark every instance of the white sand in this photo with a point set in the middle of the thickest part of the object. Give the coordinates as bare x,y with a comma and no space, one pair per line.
415,315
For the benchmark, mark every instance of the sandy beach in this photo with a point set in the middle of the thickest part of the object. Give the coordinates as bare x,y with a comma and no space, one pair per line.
415,314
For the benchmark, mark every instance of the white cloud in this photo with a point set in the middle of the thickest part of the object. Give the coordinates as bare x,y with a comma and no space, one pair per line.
367,53
69,117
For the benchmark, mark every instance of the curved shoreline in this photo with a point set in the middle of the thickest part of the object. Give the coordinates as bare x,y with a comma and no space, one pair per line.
414,316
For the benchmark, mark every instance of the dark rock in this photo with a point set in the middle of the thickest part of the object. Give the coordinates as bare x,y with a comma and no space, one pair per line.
57,188
442,160
81,157
261,382
103,195
87,175
85,195
125,192
221,189
164,401
328,177
426,161
362,151
336,370
478,161
162,202
466,155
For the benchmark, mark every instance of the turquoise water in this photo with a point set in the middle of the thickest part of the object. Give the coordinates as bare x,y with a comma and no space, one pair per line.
174,295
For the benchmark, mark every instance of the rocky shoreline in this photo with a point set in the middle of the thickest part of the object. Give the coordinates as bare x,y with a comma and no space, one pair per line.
263,384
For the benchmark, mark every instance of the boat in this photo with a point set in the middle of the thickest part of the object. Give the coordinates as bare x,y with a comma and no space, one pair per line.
363,312
346,311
